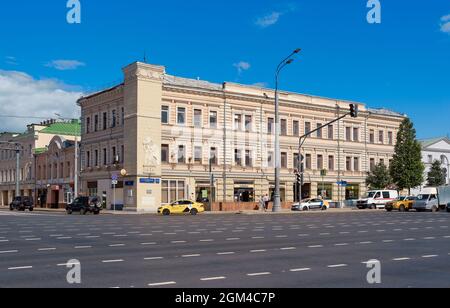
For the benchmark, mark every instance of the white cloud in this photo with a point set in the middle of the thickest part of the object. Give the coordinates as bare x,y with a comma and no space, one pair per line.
11,60
22,95
268,20
65,65
445,24
242,66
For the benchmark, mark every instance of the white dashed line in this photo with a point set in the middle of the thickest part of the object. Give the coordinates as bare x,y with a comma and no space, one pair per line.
337,265
225,253
259,274
191,256
158,284
342,244
153,258
315,246
19,268
46,249
258,251
147,244
117,245
300,269
112,261
82,247
288,248
9,251
430,256
213,278
401,259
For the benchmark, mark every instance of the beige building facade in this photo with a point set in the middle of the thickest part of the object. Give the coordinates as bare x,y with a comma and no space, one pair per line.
176,138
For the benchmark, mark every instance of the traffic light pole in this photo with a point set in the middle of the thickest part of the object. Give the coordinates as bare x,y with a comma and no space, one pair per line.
300,168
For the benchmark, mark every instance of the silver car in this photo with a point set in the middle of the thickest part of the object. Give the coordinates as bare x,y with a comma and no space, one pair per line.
426,202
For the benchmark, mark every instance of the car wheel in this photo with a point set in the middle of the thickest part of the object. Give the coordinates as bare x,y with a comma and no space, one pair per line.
31,209
373,207
305,209
324,208
434,209
166,212
11,208
194,212
402,208
69,212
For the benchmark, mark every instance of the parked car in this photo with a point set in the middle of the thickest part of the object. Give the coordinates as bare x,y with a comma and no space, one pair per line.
448,207
311,204
433,199
377,199
84,205
402,204
22,204
182,207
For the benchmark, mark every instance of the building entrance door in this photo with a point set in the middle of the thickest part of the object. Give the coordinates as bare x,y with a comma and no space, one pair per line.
55,199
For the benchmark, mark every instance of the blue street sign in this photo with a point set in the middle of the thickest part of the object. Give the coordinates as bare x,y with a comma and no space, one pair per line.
129,183
342,183
114,177
150,181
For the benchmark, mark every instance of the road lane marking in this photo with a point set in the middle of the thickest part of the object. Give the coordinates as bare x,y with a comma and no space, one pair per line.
388,241
158,284
315,246
178,242
19,268
342,244
257,251
300,269
82,247
225,253
288,248
259,274
146,244
8,251
113,261
207,240
337,265
68,264
191,256
213,278
430,256
117,245
153,258
233,239
401,259
46,249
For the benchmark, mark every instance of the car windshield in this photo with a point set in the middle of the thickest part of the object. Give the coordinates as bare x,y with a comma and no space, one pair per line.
423,197
402,198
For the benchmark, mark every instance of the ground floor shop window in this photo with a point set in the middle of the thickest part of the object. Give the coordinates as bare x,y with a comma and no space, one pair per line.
203,194
325,191
352,192
172,190
282,194
244,195
306,191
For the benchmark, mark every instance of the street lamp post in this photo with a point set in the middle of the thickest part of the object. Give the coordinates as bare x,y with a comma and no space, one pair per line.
277,199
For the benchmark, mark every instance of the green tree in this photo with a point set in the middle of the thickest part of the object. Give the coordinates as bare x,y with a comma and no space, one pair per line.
379,177
407,167
437,175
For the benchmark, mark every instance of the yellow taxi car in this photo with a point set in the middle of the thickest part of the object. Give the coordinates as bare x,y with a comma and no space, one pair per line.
182,207
402,204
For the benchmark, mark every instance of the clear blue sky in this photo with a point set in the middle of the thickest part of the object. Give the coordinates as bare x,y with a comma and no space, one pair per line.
402,64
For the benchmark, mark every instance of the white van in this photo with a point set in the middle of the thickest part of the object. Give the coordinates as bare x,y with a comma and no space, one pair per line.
377,199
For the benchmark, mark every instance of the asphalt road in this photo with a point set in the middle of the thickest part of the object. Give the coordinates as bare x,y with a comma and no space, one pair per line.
225,251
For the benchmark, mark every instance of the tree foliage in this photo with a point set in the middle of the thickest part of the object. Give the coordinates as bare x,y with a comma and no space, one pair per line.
437,175
379,178
407,167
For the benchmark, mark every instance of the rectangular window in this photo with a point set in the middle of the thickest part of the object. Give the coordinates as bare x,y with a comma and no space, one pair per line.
165,192
122,116
213,119
114,157
390,138
296,128
105,121
122,152
88,159
165,115
238,122
372,136
284,160
308,162
330,132
356,134
270,161
165,153
248,158
237,157
356,163
331,163
198,155
248,123
381,137
319,162
181,154
319,132
382,161
105,158
348,134
88,125
96,123
283,127
181,116
213,156
114,119
348,164
198,118
372,164
307,127
270,125
96,158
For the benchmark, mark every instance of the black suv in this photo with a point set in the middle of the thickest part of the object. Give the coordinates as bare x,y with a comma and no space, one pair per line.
22,204
84,205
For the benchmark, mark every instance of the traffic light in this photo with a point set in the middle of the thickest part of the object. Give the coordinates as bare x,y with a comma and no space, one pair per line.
354,110
298,178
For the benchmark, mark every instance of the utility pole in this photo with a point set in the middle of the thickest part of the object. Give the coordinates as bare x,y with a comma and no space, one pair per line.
18,194
75,185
